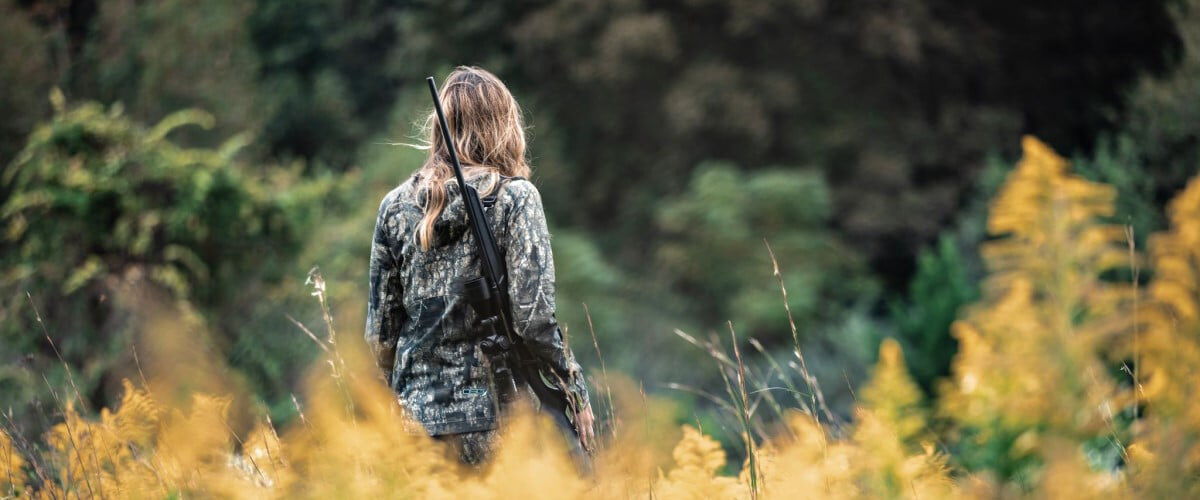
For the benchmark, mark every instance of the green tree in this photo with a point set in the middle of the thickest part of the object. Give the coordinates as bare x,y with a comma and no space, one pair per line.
1164,117
940,288
713,251
25,75
897,102
330,70
97,200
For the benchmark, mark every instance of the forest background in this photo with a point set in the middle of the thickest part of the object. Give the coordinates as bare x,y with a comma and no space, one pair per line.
224,149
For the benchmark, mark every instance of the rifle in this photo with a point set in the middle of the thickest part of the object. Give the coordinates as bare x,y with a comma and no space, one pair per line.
488,295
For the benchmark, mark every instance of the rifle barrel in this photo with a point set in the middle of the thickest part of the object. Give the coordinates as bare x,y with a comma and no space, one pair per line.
437,106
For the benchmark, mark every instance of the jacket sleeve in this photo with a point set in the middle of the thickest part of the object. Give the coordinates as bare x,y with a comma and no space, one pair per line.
530,265
385,302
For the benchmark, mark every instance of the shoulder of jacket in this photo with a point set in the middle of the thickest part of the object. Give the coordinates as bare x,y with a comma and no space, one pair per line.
519,188
391,201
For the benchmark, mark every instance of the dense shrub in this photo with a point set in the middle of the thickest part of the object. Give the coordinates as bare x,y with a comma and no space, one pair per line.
99,199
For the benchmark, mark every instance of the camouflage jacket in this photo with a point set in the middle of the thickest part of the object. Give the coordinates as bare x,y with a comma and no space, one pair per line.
417,323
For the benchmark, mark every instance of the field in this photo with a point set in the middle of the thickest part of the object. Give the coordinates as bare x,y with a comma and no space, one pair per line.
802,248
1074,379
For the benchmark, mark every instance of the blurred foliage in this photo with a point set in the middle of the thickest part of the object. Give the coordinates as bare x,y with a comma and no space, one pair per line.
1167,356
141,54
151,444
330,70
1046,310
713,250
862,140
98,199
946,280
1120,164
1163,114
313,78
894,396
896,102
25,75
1032,365
936,293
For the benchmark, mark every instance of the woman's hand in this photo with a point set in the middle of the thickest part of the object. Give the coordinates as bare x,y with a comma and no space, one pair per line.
587,435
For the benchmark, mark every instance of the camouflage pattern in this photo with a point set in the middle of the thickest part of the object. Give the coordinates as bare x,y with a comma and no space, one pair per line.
418,324
472,448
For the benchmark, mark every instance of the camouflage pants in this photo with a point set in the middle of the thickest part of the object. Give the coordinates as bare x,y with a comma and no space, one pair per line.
472,448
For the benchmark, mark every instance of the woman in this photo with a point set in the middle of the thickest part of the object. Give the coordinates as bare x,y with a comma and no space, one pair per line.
418,324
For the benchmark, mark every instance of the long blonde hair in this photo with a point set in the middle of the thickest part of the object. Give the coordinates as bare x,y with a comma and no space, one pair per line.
489,136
